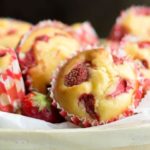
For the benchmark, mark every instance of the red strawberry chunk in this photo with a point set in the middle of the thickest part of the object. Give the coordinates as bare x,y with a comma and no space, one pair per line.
144,44
88,101
118,60
44,38
3,53
122,87
29,60
145,63
11,32
77,75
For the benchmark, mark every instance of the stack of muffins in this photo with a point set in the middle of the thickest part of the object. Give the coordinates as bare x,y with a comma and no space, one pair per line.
68,74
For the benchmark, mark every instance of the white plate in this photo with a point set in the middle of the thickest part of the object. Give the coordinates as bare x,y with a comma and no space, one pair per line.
130,138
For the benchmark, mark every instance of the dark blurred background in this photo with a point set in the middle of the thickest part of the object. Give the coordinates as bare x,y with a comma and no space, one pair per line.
101,13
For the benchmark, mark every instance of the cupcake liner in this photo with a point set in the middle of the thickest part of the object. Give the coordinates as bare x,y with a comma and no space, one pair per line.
12,86
85,33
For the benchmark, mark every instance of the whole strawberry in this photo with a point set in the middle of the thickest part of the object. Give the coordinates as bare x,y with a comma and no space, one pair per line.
37,105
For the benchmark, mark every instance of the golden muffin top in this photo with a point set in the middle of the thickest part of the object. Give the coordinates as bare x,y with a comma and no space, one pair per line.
11,31
94,86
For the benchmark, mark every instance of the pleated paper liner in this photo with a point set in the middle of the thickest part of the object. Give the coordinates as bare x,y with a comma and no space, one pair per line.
11,83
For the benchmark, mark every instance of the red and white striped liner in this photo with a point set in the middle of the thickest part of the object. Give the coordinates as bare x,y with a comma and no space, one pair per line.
86,34
11,84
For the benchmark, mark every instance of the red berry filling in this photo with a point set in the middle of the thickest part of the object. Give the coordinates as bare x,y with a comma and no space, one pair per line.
44,38
29,60
118,60
145,63
2,53
122,87
77,75
11,32
144,44
88,101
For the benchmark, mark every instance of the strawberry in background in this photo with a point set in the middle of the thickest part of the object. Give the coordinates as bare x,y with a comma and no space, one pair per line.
37,105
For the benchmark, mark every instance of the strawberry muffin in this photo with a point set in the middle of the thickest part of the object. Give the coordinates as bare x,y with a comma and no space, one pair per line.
42,49
139,50
135,21
11,82
11,31
95,88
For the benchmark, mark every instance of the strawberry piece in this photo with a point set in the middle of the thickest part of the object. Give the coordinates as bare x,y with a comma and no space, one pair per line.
118,60
144,44
3,53
38,106
122,87
77,75
29,60
145,63
12,32
89,102
44,38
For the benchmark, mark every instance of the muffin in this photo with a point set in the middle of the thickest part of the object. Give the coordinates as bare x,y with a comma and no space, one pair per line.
11,82
11,31
94,88
139,50
86,34
42,49
135,21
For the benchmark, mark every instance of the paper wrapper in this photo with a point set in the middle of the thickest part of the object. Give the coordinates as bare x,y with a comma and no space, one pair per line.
86,34
11,83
